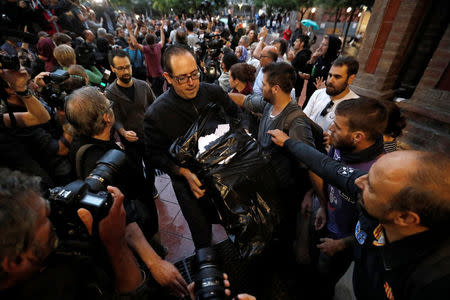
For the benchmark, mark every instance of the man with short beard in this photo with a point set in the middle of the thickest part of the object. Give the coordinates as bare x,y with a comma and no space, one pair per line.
356,140
131,98
322,104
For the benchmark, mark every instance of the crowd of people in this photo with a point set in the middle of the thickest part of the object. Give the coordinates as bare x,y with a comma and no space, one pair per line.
88,92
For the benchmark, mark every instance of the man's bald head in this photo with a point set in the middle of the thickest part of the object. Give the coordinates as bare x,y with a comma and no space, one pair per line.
268,55
423,185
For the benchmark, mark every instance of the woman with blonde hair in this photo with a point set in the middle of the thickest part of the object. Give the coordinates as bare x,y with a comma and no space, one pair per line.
65,56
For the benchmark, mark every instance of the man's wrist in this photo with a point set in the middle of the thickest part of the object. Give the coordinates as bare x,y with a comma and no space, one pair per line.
24,94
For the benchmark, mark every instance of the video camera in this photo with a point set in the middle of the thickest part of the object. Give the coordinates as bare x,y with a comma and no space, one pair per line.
90,194
85,53
59,84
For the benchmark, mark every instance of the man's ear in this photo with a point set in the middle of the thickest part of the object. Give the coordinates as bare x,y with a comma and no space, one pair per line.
407,218
358,136
351,78
108,117
13,265
168,78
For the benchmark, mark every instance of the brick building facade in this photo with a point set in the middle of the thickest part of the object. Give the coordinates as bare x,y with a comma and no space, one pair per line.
406,53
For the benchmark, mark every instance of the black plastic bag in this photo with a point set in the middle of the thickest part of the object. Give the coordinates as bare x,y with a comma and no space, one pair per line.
238,178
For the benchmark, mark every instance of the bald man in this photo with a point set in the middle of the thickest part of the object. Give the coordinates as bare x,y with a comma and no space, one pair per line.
404,245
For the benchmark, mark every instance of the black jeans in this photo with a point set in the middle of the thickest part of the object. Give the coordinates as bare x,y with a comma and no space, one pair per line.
199,213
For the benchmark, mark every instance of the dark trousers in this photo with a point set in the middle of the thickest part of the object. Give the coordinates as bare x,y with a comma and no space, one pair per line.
198,213
146,210
330,270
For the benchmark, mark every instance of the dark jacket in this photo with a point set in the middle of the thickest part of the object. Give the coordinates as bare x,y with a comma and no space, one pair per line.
299,64
171,116
130,114
405,269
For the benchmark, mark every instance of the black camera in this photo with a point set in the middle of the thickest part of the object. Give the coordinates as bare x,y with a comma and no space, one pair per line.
59,84
85,53
90,194
209,279
9,62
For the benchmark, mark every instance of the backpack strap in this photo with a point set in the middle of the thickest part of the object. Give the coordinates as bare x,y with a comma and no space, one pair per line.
316,130
79,157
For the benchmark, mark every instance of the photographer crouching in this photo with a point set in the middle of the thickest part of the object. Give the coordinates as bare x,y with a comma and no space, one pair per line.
29,267
90,113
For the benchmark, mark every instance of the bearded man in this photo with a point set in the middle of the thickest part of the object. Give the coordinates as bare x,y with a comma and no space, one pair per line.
322,104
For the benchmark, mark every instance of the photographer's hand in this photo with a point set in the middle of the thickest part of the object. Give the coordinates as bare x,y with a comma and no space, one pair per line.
39,79
112,233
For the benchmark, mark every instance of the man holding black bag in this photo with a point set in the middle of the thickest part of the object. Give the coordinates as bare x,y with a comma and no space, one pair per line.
169,118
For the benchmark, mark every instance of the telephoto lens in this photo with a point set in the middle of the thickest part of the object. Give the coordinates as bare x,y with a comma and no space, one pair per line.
209,279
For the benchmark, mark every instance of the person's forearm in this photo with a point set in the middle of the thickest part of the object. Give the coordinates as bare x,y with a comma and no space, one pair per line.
259,47
319,189
37,114
128,276
325,167
137,241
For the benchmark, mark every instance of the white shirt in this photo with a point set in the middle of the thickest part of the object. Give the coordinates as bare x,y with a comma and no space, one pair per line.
257,86
318,102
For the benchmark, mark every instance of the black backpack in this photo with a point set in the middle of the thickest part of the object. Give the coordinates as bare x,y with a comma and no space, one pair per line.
316,130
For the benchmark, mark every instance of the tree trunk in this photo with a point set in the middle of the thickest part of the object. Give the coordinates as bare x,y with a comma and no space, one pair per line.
348,26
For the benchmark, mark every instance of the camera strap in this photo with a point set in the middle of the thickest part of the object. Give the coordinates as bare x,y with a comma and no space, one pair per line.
79,158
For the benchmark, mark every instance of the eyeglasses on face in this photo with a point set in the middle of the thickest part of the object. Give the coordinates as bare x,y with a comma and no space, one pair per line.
182,79
123,68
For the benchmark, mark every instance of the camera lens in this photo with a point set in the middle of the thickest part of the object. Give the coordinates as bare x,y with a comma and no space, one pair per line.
209,279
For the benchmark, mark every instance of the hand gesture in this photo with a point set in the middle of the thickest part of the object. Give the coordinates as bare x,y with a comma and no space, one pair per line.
129,27
321,218
291,55
278,137
320,83
330,247
167,275
130,135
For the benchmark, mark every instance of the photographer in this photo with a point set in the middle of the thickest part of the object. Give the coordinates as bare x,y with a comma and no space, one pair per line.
30,268
90,113
18,132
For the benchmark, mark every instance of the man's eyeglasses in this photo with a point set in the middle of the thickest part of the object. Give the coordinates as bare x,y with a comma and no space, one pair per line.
327,109
123,68
182,79
111,104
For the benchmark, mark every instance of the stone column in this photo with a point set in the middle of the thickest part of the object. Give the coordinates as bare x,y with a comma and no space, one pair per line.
428,110
390,29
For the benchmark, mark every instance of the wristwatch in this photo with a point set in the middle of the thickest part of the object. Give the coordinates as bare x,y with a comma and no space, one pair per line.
26,93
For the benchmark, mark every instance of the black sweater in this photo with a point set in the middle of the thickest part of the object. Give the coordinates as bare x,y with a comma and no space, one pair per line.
171,116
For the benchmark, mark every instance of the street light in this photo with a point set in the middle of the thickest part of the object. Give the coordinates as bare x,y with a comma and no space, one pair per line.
240,7
313,10
349,9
